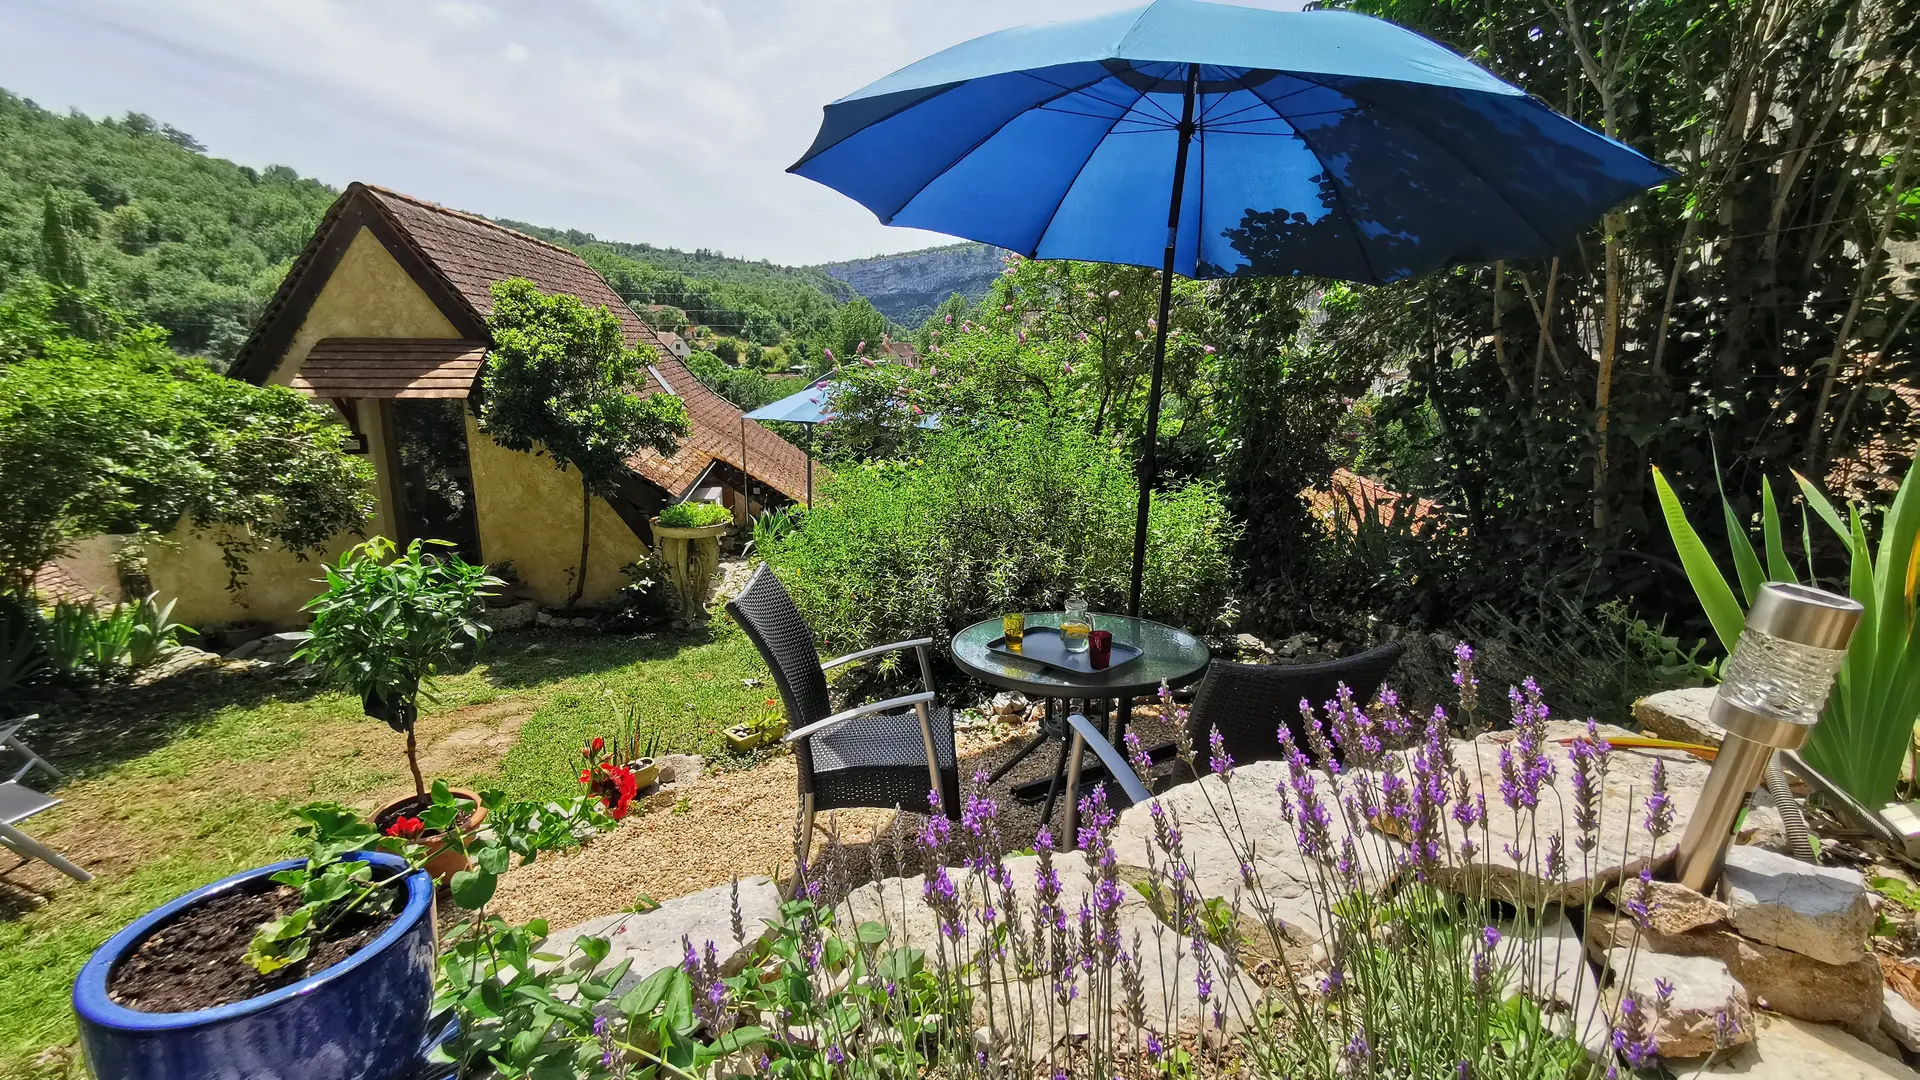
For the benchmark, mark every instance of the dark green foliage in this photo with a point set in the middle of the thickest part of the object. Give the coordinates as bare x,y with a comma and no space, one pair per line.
857,329
192,243
122,435
1763,299
999,517
745,387
727,349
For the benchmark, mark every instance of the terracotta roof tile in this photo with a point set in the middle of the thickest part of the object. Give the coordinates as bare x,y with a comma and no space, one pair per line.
391,368
471,253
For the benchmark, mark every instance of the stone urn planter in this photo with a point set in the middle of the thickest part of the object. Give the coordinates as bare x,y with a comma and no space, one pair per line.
691,556
365,1017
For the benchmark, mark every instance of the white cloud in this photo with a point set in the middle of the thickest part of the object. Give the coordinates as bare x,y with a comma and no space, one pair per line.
664,121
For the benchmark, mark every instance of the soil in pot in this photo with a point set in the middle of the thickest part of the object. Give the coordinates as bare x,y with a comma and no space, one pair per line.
411,808
197,961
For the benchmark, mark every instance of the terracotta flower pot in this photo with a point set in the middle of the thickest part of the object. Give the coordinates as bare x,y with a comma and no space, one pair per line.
444,861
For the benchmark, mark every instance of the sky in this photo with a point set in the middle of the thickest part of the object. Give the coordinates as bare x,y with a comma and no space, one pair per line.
668,122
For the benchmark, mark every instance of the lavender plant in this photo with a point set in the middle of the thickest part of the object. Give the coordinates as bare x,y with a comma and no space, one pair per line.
1126,956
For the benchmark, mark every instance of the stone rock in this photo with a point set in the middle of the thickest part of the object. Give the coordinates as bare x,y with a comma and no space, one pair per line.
273,648
1708,1010
1818,911
1251,646
1673,908
1008,703
652,939
1777,979
1787,1049
1545,963
181,659
1900,1020
514,616
1680,715
1167,964
1624,846
1763,826
1214,813
679,770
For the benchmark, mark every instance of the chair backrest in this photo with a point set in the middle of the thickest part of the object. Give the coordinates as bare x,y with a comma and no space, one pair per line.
1249,702
765,611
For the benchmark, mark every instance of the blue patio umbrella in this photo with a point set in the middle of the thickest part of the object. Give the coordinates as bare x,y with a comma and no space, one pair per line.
1212,141
812,405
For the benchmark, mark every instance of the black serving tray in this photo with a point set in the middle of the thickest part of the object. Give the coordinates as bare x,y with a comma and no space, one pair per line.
1042,645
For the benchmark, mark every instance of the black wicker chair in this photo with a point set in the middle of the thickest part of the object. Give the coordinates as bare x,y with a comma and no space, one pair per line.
871,755
1248,703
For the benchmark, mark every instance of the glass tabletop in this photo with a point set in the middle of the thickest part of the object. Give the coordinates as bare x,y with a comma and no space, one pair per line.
1167,654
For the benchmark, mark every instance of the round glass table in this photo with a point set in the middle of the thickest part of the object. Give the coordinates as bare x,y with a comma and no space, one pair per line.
1167,655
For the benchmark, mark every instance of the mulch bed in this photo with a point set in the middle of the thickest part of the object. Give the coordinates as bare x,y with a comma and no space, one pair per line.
197,960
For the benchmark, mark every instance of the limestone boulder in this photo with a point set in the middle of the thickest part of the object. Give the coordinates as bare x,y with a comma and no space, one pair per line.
653,939
1820,911
1224,823
1899,1020
1777,979
1509,857
1680,715
1787,1049
1707,1009
1544,961
1672,908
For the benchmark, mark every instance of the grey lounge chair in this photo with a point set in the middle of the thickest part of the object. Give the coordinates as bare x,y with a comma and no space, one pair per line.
10,740
887,754
17,804
1247,703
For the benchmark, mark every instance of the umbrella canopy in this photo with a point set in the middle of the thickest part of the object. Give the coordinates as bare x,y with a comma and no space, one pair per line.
809,406
1211,140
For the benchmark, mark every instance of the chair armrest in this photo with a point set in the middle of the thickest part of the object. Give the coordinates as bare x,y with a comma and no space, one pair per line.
924,697
1116,763
913,643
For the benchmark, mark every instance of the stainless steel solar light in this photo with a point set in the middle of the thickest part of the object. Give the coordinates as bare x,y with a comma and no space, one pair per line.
1771,693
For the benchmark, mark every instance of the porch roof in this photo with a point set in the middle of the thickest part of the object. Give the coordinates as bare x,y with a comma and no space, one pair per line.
342,367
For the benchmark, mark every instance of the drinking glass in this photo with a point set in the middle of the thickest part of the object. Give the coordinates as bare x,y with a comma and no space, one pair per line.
1075,624
1100,649
1013,627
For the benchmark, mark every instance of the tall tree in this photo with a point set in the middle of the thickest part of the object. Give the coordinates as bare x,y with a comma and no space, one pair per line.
560,379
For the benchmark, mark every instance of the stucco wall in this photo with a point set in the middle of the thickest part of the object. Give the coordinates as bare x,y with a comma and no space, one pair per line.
529,512
368,295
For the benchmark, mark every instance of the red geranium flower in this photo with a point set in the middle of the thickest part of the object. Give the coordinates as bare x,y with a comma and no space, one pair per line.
614,784
406,828
599,744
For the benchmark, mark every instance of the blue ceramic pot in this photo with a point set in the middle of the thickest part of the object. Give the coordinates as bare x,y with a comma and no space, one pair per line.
364,1018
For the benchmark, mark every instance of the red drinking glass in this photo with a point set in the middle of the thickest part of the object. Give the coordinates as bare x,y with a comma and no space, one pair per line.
1099,649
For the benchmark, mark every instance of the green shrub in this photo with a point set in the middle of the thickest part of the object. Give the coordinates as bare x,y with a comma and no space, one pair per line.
996,518
695,515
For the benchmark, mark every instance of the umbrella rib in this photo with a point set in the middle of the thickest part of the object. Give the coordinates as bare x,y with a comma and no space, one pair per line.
1437,145
1068,189
1339,197
984,139
1081,90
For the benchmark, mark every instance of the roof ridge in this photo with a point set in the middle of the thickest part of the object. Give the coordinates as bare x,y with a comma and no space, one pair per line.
439,208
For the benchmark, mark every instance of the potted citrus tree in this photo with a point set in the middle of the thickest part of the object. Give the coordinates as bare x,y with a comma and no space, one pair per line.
385,626
689,538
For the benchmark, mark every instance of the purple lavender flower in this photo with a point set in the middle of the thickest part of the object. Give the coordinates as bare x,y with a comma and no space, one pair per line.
1589,757
1218,759
836,1056
1659,817
1490,936
1464,678
1155,1048
1357,1050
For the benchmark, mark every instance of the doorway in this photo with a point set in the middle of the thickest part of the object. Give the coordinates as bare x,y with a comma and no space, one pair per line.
436,475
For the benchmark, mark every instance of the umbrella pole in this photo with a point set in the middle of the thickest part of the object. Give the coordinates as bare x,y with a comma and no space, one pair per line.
1149,457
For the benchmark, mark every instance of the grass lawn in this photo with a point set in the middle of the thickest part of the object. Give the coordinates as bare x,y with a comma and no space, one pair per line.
172,786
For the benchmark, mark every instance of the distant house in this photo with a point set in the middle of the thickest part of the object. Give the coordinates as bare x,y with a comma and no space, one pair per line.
383,317
901,352
673,343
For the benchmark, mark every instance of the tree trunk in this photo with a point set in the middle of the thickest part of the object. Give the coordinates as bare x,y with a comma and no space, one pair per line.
586,532
413,763
1603,386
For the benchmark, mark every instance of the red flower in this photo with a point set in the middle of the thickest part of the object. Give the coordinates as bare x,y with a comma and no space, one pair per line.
617,789
599,744
406,828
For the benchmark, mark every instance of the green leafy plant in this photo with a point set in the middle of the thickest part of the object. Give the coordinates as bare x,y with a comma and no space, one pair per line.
23,652
154,633
559,380
695,515
775,525
387,623
1868,724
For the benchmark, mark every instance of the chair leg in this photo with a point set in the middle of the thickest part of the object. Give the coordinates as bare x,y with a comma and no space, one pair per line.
933,760
802,844
1073,791
33,760
27,845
